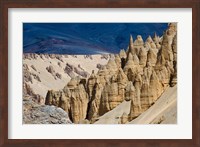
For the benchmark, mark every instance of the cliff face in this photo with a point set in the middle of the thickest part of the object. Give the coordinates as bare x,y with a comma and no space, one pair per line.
139,75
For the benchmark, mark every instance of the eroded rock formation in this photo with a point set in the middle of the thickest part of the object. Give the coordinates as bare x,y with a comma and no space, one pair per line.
73,99
139,75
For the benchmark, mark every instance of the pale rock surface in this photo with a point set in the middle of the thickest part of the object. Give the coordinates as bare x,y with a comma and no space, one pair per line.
152,57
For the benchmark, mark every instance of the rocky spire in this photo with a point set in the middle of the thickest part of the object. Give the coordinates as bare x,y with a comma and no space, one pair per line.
112,66
152,57
166,51
149,39
174,48
143,57
130,92
139,41
138,44
118,61
122,54
156,38
131,45
129,64
91,83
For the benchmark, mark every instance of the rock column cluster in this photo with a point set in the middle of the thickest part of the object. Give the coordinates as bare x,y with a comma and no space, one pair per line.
140,75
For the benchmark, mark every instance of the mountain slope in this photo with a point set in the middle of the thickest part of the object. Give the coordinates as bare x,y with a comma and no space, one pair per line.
62,68
84,38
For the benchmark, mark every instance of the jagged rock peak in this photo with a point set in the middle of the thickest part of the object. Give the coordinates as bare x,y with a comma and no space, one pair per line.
172,26
156,38
131,45
122,54
150,43
149,39
131,39
139,41
111,65
130,56
130,63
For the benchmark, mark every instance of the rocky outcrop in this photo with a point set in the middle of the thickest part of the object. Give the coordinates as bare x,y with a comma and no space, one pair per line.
28,78
138,76
30,56
27,74
28,92
91,83
79,103
112,96
73,99
131,95
33,67
70,70
94,104
37,80
33,113
51,70
99,66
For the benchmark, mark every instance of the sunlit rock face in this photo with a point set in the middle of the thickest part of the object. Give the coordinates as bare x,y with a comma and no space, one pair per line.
139,75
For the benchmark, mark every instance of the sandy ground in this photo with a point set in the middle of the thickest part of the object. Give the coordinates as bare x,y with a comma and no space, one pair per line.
113,116
47,80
